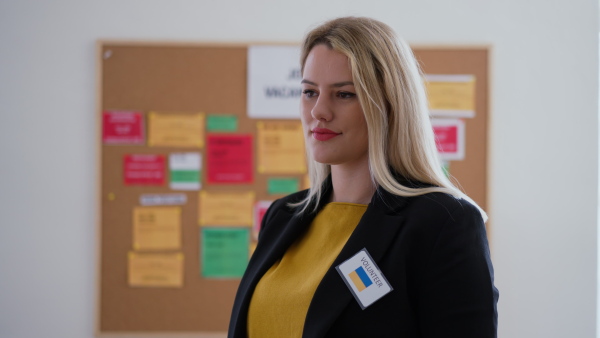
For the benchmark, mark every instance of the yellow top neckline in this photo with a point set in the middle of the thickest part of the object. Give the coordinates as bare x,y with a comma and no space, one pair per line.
283,295
347,203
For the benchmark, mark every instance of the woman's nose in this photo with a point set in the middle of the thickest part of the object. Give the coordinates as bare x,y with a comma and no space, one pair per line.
322,109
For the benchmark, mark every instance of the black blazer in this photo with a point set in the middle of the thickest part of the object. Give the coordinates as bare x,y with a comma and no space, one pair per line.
432,249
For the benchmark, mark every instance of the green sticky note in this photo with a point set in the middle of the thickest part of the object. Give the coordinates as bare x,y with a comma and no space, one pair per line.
225,252
446,168
185,179
282,185
222,123
185,176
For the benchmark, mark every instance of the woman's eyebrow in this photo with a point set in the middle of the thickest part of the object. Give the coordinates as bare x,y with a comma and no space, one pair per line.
344,83
337,84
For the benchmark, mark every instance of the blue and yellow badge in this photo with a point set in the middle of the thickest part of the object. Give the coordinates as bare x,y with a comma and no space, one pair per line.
364,279
360,279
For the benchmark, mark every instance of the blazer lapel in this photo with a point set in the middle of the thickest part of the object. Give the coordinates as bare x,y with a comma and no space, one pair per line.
263,258
375,232
280,241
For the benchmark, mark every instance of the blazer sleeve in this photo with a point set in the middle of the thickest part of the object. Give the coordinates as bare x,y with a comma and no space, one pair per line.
457,297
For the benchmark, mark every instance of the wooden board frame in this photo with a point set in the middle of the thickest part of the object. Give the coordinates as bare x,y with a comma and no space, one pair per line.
471,173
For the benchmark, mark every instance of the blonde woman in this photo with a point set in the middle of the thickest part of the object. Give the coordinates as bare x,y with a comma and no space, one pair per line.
382,244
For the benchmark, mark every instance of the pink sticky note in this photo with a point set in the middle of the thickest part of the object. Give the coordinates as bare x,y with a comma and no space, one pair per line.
229,158
122,127
144,169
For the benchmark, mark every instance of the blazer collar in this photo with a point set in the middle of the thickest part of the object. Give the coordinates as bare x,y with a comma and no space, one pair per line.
265,256
375,232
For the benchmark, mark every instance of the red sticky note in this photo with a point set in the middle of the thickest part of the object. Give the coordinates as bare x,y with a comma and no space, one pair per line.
229,158
122,127
449,137
144,169
446,137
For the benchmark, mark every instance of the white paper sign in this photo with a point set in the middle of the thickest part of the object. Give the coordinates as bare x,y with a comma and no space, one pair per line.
364,279
163,199
185,171
274,82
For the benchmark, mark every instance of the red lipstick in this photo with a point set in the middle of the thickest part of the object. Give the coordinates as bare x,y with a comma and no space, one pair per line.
324,134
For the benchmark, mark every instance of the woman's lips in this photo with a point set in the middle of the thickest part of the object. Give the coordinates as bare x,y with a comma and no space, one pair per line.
324,134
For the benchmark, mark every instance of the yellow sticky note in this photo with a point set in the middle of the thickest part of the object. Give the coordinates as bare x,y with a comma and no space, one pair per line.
280,148
451,94
156,270
157,228
226,208
176,130
306,182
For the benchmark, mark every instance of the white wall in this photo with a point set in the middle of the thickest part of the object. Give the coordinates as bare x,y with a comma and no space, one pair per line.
544,141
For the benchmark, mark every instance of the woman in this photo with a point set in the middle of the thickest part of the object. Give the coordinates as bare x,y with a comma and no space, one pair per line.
382,244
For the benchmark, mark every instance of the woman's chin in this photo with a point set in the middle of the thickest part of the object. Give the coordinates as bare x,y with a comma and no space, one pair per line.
328,161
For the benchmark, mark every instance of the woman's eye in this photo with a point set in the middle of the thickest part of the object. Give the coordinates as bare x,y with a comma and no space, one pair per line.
309,93
346,95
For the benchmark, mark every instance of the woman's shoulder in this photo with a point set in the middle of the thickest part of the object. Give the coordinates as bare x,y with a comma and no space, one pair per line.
284,202
435,223
434,208
444,217
285,205
442,202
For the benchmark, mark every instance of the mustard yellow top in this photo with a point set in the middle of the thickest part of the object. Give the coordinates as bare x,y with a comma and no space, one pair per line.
280,301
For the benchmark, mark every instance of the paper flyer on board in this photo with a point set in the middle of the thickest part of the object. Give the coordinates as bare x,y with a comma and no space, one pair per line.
123,127
185,171
274,82
155,269
229,158
175,130
450,138
451,95
224,252
280,148
226,208
157,228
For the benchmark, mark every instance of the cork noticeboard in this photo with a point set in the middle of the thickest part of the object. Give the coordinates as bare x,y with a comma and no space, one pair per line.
471,173
189,78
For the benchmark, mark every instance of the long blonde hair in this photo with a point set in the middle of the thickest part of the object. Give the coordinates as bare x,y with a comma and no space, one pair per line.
390,89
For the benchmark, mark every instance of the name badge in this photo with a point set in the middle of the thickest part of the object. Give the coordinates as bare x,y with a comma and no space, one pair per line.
364,279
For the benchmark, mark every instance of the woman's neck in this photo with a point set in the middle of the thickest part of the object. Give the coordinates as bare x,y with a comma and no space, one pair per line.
352,184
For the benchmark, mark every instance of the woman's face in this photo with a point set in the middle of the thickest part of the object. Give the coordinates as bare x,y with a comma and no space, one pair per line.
333,120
